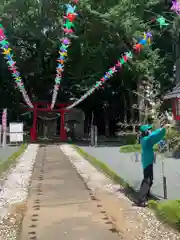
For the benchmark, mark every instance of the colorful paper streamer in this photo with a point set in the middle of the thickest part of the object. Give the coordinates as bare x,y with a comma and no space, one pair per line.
121,61
68,27
7,51
176,7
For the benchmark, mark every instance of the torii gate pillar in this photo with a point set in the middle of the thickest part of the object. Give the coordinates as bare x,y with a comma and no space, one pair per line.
33,130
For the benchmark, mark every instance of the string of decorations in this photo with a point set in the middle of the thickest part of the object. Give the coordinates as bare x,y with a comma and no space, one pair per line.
161,21
65,43
68,29
124,59
7,52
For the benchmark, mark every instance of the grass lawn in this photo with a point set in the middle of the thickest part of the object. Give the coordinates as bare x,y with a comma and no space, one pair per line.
103,167
133,148
5,165
167,211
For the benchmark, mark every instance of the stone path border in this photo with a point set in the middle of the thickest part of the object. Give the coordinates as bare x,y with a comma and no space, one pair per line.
15,188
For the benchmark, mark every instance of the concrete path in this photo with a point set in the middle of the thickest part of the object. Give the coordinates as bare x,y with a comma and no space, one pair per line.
59,205
124,165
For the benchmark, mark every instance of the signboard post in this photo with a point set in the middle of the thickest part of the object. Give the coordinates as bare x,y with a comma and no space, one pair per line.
4,127
0,135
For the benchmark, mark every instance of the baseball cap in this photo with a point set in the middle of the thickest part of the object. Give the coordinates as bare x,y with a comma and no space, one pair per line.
144,128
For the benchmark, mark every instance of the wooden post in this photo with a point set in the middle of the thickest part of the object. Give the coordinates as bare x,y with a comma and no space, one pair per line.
165,187
164,182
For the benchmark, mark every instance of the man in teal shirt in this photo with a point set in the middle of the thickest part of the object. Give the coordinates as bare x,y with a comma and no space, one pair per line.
148,139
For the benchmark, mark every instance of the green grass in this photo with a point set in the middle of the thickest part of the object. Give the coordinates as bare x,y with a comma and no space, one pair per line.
5,165
105,169
133,148
130,148
167,211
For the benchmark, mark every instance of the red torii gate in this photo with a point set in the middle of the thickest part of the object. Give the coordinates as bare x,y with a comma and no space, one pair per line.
60,109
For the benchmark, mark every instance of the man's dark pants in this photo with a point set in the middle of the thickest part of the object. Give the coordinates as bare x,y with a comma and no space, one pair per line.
146,183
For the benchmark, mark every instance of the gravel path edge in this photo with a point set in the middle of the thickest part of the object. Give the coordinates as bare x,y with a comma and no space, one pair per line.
14,192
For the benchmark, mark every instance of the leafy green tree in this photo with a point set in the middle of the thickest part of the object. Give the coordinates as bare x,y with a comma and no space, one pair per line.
105,30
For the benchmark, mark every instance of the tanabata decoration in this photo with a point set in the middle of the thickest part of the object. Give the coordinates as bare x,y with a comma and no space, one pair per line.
159,20
121,61
162,22
7,52
176,7
68,28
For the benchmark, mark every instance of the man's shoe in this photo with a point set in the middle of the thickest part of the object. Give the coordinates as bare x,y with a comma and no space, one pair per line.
140,203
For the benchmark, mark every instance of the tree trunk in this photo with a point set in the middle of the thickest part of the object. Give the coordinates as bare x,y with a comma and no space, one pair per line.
125,109
106,122
177,54
141,117
145,120
86,124
131,108
107,127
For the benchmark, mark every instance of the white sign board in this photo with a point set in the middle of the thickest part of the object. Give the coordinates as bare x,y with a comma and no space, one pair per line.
16,127
16,132
16,137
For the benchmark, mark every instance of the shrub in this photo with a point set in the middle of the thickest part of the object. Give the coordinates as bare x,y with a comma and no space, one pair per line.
134,148
173,138
130,148
130,139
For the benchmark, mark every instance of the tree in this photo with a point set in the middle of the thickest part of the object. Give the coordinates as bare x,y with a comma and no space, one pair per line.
105,30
